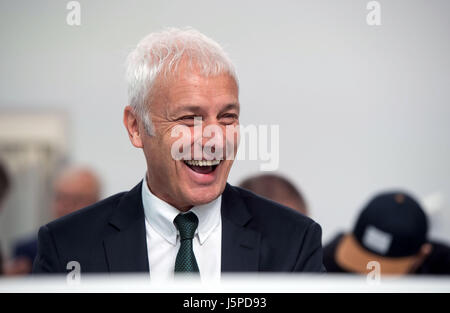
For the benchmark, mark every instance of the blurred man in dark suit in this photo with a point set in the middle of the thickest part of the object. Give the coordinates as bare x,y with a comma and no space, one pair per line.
4,187
182,217
74,188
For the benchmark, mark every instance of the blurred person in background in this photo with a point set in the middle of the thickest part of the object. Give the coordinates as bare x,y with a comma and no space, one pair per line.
74,188
276,188
392,230
4,188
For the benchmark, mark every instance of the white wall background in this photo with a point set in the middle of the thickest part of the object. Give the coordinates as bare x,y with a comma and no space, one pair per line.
360,108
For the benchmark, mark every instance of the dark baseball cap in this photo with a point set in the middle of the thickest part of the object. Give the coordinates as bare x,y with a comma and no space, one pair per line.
391,230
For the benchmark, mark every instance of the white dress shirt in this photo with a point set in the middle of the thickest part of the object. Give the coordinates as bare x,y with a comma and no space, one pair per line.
163,238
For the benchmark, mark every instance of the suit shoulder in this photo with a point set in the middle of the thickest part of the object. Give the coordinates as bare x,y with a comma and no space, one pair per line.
289,240
90,215
272,211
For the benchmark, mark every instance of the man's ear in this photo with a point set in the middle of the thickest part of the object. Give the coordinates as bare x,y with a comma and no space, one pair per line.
131,124
426,250
423,253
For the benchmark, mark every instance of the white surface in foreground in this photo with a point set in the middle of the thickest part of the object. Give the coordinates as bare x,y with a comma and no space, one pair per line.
272,283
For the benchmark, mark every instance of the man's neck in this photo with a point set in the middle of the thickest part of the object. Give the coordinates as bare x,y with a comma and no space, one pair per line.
164,198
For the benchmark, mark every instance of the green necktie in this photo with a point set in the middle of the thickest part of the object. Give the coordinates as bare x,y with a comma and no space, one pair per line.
186,224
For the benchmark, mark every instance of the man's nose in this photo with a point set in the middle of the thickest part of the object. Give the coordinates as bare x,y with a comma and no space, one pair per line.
212,131
212,137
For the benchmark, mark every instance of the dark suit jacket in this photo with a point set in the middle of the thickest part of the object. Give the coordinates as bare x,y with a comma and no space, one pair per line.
1,261
110,236
26,248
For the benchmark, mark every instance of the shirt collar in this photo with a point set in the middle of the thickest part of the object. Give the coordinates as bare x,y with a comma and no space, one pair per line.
160,215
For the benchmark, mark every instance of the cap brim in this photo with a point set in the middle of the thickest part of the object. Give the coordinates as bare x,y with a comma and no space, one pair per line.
351,256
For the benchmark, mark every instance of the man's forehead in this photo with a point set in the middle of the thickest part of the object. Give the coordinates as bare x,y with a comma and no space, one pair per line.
195,81
192,90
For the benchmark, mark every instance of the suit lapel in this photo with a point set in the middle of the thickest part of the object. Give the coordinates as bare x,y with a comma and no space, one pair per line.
240,244
126,245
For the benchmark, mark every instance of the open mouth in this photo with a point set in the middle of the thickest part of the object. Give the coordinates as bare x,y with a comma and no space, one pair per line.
202,166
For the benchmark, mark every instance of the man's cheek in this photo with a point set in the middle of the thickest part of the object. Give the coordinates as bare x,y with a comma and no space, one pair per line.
232,137
178,143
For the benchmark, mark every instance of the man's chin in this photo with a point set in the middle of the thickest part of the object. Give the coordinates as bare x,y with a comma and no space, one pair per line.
204,194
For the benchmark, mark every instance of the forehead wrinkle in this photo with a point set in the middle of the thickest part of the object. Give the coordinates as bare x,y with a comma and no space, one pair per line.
185,88
201,104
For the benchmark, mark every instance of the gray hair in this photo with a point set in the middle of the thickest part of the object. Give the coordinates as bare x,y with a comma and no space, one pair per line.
158,55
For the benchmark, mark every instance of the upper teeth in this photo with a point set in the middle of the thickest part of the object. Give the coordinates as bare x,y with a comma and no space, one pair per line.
202,162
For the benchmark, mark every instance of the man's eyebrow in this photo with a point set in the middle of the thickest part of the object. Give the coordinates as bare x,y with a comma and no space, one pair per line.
188,109
199,109
231,106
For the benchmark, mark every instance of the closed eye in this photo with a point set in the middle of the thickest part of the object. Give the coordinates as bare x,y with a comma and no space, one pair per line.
190,119
229,118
